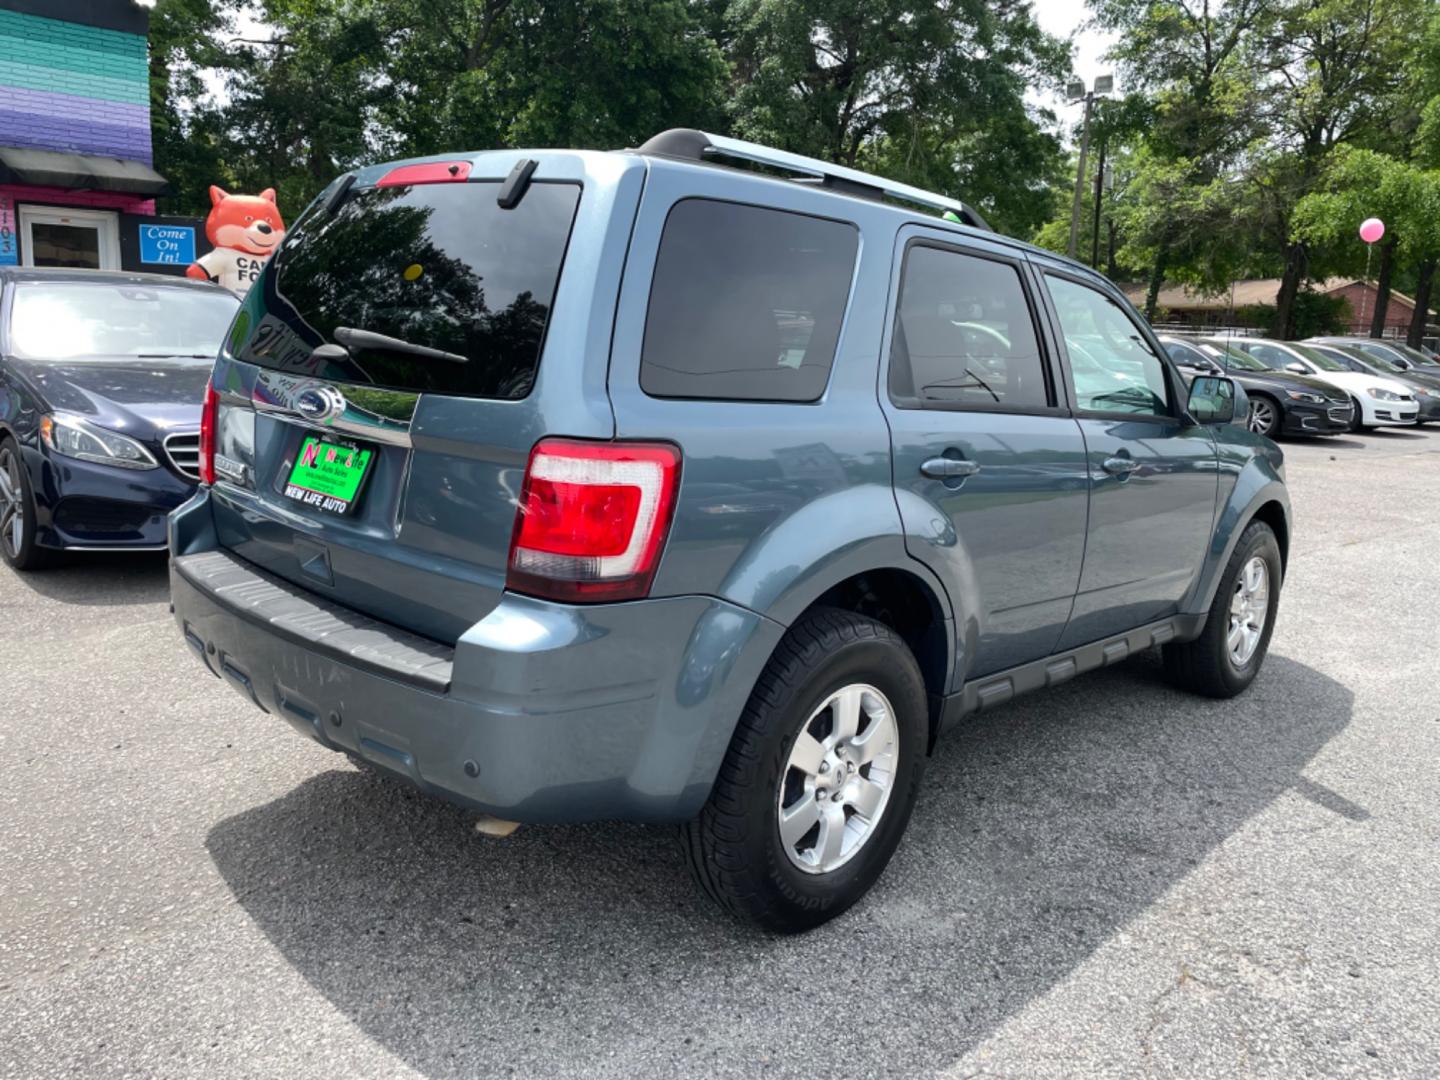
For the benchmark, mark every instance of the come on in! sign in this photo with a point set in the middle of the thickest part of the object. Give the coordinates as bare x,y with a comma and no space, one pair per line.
167,244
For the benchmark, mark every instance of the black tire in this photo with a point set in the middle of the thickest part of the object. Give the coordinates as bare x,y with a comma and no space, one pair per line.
1357,418
1276,416
27,554
1204,666
734,848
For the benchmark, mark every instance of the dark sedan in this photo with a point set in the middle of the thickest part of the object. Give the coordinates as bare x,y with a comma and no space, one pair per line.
1424,381
1395,352
1281,403
102,376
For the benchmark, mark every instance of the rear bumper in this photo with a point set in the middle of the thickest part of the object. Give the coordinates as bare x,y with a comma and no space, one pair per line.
540,712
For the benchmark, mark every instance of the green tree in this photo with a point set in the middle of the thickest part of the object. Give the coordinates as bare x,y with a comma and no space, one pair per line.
187,130
1193,91
1333,69
929,93
1357,184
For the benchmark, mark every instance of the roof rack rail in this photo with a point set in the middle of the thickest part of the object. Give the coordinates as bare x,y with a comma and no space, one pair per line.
691,145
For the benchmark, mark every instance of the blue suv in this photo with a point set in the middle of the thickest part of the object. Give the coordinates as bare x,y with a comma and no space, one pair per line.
701,483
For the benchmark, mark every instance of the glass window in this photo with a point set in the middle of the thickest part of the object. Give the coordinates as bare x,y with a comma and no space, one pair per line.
1112,369
64,321
746,303
964,334
52,244
1320,360
1229,356
461,288
1186,354
1270,356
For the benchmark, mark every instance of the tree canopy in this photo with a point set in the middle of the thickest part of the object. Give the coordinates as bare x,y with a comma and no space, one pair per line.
1248,136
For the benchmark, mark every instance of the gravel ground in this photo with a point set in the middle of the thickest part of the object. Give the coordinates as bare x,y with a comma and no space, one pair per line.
1109,879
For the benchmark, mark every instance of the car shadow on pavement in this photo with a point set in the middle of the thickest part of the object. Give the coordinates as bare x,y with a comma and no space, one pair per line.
1042,829
103,578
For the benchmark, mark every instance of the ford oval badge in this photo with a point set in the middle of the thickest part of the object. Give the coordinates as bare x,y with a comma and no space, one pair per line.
319,403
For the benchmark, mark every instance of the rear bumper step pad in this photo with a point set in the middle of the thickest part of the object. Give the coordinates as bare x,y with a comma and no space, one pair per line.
318,624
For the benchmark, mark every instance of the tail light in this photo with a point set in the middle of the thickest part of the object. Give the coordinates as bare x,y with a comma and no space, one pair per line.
207,435
593,519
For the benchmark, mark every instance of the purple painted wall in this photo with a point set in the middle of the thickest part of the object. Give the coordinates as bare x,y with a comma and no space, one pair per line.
67,86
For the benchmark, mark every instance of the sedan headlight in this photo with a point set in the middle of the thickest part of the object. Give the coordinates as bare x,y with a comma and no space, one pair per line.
1305,395
1384,395
74,437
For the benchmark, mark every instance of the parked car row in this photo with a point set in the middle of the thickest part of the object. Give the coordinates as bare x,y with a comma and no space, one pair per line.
1322,386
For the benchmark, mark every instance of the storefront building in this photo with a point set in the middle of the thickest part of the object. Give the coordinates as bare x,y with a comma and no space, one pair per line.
77,183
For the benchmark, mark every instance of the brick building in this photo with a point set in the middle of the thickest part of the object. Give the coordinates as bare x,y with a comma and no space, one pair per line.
1181,305
77,183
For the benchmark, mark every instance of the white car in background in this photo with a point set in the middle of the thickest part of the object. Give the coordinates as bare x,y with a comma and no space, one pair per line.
1378,401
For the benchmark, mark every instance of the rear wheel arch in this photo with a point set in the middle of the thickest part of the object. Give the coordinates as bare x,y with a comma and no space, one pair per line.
916,609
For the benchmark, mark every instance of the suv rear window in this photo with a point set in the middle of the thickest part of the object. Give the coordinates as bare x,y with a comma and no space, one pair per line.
438,266
746,303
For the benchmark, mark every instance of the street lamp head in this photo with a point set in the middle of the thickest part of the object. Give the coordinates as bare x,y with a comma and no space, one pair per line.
1075,90
1104,84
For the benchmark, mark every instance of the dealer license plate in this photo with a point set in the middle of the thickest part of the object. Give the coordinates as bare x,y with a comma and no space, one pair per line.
328,476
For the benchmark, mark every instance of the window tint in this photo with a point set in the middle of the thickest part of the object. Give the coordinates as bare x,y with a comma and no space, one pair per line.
463,285
964,334
1111,367
746,303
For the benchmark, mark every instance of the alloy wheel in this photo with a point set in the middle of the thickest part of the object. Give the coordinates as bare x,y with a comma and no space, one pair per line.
1262,416
838,778
1249,606
12,503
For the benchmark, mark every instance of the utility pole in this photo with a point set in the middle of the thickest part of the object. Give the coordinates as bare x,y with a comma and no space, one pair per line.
1103,85
1099,194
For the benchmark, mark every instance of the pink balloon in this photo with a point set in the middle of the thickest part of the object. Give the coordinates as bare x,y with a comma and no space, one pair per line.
1372,229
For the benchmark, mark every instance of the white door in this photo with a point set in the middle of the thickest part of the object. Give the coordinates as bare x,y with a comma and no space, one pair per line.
59,236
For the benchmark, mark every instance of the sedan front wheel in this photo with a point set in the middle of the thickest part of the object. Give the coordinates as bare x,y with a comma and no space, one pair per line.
17,513
1264,418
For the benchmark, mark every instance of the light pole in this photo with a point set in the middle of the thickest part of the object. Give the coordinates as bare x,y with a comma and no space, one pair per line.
1076,92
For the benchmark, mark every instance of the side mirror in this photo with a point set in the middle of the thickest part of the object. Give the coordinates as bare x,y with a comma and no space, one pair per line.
1297,367
1212,400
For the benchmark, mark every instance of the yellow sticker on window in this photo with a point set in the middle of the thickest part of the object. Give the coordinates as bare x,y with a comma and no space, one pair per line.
413,271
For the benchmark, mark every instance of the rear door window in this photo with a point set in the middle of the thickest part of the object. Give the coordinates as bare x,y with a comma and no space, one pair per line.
746,303
461,288
964,335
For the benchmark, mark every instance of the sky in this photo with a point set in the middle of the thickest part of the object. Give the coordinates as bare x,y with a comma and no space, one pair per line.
1064,19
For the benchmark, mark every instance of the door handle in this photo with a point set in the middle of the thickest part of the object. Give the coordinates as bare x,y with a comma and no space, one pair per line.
944,468
1120,466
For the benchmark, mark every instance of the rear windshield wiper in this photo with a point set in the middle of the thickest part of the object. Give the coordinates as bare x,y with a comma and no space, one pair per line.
368,339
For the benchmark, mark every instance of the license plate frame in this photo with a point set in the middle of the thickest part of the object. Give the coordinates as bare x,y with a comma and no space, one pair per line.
329,491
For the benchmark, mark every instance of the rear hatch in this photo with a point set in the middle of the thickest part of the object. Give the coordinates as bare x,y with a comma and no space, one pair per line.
381,389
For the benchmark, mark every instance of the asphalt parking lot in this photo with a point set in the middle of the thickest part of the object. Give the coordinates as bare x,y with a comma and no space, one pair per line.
1111,879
